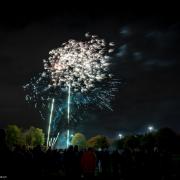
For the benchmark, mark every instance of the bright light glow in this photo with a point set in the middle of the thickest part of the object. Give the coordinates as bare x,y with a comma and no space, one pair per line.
150,128
120,135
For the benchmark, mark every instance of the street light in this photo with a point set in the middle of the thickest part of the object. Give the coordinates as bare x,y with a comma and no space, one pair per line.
120,136
150,128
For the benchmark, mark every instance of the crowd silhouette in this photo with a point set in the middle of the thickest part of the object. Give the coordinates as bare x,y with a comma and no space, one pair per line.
126,164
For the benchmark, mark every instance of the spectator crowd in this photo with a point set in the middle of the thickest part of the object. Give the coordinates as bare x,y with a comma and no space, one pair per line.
126,164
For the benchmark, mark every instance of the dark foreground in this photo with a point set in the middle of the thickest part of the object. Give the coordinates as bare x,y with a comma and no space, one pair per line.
124,164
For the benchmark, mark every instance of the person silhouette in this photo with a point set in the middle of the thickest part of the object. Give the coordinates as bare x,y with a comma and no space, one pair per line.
88,163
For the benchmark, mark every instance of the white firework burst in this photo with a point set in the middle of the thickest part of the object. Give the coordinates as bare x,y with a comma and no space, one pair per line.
79,64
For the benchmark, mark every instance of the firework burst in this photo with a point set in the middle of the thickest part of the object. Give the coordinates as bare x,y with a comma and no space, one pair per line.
79,64
79,68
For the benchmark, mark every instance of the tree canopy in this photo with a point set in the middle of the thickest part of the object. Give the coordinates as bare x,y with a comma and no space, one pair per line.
98,141
30,137
79,139
34,136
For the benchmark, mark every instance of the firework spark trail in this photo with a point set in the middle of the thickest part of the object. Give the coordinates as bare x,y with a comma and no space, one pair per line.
50,120
69,97
55,140
68,112
49,142
67,140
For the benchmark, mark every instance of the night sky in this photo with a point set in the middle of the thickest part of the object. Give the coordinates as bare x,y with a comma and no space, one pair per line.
146,57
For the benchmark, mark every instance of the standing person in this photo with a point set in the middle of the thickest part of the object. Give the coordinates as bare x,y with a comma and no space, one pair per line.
4,154
69,162
77,158
88,163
